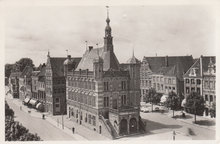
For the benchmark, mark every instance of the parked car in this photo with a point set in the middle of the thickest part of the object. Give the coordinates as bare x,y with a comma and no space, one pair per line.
157,109
145,109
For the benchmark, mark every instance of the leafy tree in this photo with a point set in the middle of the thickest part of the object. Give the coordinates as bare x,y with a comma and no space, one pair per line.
22,63
8,69
153,97
172,101
213,110
195,104
8,112
14,131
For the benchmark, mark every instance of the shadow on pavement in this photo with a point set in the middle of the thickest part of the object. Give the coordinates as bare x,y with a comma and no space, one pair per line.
181,117
205,122
151,125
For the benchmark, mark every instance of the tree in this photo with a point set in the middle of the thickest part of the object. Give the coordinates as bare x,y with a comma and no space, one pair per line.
213,110
195,104
8,69
8,112
153,97
22,63
172,101
14,131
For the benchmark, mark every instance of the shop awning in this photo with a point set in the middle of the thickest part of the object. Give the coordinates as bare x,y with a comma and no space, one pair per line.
26,100
163,98
39,106
33,102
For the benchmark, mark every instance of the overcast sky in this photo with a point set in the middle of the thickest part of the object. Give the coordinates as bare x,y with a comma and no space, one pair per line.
165,30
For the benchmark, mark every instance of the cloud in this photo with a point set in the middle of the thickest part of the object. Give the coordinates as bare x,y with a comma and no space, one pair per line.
165,30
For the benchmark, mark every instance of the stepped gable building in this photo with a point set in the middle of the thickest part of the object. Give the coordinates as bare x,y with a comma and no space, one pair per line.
56,84
201,78
25,83
38,87
103,95
165,74
14,84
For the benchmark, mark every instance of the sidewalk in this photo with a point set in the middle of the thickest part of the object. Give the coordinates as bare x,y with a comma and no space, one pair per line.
81,132
35,113
159,136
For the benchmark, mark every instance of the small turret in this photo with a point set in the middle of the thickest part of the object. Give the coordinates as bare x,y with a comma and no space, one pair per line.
68,65
98,67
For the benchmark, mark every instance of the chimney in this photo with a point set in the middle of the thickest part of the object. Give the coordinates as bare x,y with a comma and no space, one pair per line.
90,48
201,70
166,61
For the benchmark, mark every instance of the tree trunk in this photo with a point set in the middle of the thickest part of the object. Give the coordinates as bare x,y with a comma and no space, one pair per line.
151,106
195,115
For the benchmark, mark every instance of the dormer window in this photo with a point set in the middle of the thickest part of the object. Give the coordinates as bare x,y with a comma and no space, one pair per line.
192,72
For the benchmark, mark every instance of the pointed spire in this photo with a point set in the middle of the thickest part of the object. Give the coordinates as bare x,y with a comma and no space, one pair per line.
48,53
133,53
107,20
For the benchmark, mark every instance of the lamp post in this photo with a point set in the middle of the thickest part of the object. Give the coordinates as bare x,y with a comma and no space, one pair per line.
174,134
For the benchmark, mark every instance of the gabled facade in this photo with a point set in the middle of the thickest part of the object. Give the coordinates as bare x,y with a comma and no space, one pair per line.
38,88
56,85
165,74
25,83
201,78
14,84
103,95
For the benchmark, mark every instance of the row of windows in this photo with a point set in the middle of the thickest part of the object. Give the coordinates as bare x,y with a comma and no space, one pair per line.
161,87
193,81
82,84
123,86
188,90
59,90
91,119
210,99
209,85
86,99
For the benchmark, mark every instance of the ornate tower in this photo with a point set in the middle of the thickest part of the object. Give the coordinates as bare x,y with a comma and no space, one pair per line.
108,45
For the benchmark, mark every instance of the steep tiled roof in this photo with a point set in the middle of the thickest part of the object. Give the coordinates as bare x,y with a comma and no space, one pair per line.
205,62
170,66
109,59
27,71
133,60
15,74
35,73
42,74
58,67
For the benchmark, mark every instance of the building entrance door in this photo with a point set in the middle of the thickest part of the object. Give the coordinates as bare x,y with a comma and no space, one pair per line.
133,125
123,126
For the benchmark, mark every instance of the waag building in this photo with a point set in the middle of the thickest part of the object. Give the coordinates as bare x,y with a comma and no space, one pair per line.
104,95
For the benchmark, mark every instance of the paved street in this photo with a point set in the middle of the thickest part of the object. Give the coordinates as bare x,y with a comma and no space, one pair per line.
159,126
43,128
158,123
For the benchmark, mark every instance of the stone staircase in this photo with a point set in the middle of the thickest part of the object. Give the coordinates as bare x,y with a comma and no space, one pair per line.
111,130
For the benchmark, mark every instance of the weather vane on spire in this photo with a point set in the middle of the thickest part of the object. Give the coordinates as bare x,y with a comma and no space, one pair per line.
107,10
67,52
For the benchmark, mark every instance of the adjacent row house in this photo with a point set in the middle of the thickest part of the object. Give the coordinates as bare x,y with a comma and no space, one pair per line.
164,74
201,78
